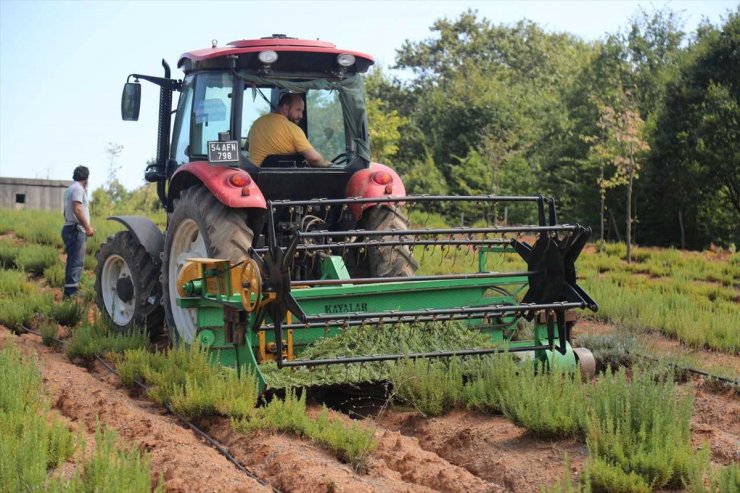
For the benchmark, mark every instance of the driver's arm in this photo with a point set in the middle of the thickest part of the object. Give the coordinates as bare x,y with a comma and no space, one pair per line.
315,159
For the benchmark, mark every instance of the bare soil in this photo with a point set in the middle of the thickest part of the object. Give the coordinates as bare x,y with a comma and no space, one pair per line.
462,451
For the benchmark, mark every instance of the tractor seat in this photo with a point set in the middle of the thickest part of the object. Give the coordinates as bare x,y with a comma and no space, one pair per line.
284,161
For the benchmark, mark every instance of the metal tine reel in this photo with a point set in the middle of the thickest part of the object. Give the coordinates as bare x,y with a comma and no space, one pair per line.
549,278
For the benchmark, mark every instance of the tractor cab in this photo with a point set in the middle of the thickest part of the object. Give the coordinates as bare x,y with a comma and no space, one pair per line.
225,89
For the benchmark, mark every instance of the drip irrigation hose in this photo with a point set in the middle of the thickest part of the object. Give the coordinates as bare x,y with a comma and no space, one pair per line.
205,436
730,381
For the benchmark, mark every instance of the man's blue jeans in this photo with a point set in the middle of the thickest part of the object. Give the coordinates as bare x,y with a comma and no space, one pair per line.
74,244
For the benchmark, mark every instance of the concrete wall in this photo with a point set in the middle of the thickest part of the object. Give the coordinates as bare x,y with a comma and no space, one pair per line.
32,193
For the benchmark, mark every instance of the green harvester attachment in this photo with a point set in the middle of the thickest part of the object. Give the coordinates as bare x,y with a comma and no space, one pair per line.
301,284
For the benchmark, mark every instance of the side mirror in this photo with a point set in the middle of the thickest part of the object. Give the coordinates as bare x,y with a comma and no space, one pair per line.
131,101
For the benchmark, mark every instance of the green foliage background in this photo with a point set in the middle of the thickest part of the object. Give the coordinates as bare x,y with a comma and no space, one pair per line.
515,109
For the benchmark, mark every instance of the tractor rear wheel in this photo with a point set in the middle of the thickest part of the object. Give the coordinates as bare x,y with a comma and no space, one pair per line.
390,261
200,227
127,285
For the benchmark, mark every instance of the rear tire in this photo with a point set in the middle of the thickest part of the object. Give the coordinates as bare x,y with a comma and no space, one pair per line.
127,285
390,261
200,226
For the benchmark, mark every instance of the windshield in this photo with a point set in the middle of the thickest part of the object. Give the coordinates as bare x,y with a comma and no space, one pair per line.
334,119
322,122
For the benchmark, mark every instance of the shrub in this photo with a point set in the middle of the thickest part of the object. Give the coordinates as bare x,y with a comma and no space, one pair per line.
184,379
15,283
610,351
350,444
113,468
432,386
54,275
67,313
49,330
95,339
640,427
32,443
20,310
35,258
8,251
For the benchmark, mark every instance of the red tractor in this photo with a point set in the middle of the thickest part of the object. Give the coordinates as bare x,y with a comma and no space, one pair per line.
217,199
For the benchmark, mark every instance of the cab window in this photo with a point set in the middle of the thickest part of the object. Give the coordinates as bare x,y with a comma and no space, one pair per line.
211,110
181,134
324,123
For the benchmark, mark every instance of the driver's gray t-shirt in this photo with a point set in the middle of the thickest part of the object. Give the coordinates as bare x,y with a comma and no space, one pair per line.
75,193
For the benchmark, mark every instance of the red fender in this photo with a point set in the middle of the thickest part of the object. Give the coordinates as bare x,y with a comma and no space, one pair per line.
362,184
217,179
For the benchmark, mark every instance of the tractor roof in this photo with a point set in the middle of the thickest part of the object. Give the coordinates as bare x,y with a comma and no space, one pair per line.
294,55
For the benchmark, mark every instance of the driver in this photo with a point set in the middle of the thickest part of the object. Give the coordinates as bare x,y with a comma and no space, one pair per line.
279,133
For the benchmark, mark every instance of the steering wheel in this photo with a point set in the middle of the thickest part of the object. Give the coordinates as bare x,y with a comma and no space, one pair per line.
340,159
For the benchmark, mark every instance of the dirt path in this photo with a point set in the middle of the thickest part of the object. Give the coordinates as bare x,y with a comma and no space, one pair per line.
491,447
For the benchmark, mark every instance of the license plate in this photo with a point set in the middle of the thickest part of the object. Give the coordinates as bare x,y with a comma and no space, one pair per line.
223,152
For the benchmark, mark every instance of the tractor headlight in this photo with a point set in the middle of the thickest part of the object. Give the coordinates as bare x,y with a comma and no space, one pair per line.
345,60
267,57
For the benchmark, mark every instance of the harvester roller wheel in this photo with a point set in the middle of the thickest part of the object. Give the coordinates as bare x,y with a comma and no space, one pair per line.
389,261
127,287
586,363
200,227
251,280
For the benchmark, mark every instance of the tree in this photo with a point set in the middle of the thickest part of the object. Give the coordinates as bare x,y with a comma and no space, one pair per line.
113,150
624,143
384,130
695,158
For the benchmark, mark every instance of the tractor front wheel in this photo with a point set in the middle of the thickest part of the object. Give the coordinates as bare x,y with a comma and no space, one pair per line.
384,261
127,285
200,227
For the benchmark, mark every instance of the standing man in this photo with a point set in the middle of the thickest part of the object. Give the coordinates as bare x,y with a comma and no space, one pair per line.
279,133
76,229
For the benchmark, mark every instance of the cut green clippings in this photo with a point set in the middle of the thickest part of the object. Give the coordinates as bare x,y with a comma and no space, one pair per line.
396,339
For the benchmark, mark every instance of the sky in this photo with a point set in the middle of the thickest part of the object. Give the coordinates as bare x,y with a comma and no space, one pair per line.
63,64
